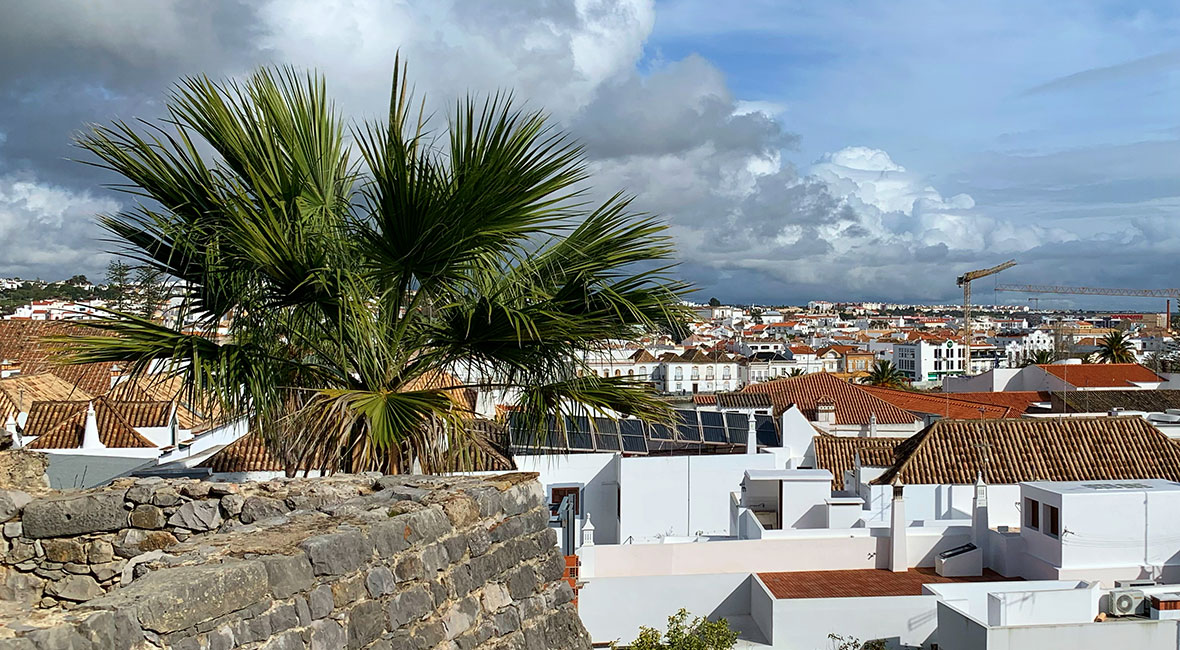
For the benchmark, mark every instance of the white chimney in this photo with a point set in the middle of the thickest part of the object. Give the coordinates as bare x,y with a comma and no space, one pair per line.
90,432
979,516
872,425
752,436
898,561
588,532
825,411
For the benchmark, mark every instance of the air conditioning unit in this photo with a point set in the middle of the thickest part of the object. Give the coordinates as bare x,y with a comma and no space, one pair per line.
1125,602
1133,584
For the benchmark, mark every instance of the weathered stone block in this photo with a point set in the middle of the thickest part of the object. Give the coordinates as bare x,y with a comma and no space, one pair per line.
256,508
66,516
320,601
147,516
495,596
380,582
328,635
99,551
410,605
173,599
346,591
13,529
77,588
365,624
197,516
133,541
288,574
231,504
11,503
165,496
460,617
337,553
63,550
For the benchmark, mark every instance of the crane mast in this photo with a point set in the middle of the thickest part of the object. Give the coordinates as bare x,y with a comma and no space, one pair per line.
965,282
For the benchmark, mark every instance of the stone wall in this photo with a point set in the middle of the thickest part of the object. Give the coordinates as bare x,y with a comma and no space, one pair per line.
341,562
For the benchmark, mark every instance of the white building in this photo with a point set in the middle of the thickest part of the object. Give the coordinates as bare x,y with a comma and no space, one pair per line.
929,359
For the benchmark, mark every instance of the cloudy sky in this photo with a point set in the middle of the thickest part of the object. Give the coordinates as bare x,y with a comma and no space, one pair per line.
798,149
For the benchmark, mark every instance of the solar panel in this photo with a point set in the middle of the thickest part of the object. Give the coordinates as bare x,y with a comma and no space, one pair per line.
660,432
607,435
766,431
737,426
687,427
633,435
713,426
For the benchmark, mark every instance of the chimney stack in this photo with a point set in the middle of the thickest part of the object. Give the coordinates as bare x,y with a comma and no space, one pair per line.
825,410
898,560
90,438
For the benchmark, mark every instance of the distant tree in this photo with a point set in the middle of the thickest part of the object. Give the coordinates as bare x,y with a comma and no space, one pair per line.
682,634
885,374
756,315
1040,358
150,290
713,302
1116,347
119,283
78,281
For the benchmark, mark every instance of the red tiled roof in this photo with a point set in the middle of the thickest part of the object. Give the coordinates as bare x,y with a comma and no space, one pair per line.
61,425
837,454
1035,449
854,405
704,400
23,341
861,583
246,454
1102,375
1016,401
947,405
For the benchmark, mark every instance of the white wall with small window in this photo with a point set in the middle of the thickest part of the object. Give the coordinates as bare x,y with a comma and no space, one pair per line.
1101,529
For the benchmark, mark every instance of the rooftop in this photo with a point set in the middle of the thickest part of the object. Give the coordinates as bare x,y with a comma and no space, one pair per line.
1097,487
854,405
837,454
1035,449
1018,401
1102,375
861,583
947,405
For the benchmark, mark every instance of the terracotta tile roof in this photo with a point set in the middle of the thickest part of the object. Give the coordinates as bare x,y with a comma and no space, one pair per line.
23,341
1017,401
18,393
801,349
642,356
190,415
854,405
744,401
246,454
947,405
1102,375
60,425
704,400
1102,401
861,583
1035,449
837,454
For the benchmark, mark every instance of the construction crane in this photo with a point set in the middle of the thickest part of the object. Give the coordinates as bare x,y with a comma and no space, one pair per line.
965,282
1170,294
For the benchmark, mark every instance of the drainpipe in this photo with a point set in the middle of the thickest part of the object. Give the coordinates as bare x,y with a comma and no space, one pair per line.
898,561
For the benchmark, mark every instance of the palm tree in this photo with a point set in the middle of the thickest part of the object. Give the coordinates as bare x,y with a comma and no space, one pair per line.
1116,347
367,298
1039,358
884,373
796,372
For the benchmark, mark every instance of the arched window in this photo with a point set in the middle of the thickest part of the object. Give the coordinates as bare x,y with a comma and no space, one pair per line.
643,370
618,372
630,371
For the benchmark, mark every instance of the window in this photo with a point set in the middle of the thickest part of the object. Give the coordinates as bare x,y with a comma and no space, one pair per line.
1053,515
1032,514
557,494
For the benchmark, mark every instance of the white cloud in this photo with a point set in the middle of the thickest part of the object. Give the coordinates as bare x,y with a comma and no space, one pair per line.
42,225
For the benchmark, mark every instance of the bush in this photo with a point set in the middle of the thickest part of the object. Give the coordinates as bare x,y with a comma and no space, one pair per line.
699,634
